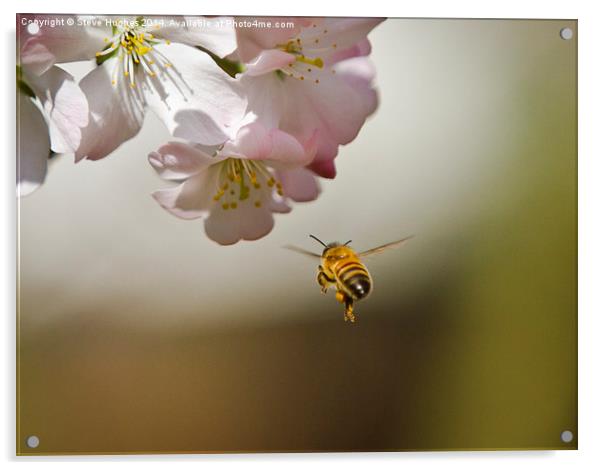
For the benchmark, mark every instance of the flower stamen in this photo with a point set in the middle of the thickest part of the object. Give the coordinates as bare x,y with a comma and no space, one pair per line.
250,176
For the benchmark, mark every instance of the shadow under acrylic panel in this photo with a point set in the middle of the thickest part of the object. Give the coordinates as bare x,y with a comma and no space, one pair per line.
158,311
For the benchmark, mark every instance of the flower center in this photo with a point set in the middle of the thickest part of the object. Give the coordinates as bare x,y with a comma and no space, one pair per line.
240,180
134,47
316,43
302,64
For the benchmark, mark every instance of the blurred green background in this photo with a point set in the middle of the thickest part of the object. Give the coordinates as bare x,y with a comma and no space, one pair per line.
138,334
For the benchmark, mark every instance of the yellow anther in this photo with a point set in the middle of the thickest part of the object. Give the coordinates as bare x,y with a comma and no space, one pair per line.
233,205
317,62
98,54
256,185
257,203
225,206
113,82
271,182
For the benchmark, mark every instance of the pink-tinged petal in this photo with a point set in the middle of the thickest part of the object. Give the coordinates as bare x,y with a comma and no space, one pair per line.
252,141
331,105
358,73
116,112
195,98
324,168
190,200
246,222
65,106
177,161
214,34
299,184
359,49
278,205
323,163
269,61
266,96
55,45
33,146
287,151
253,40
338,33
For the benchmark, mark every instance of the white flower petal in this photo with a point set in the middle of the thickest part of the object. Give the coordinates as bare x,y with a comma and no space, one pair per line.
61,44
252,40
176,161
215,34
300,184
269,61
342,32
65,106
246,222
33,146
190,200
252,141
116,112
196,99
288,152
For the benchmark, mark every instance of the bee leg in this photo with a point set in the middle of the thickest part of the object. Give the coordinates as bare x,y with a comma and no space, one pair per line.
323,280
349,309
340,296
348,301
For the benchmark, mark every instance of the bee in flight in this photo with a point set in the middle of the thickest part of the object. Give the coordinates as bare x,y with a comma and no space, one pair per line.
342,268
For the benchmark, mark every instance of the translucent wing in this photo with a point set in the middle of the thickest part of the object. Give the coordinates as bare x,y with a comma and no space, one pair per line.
302,251
380,249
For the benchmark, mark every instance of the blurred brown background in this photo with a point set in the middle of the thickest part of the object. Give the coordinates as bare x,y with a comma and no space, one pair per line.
138,334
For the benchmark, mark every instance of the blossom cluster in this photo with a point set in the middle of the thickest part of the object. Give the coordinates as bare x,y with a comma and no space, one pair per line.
257,114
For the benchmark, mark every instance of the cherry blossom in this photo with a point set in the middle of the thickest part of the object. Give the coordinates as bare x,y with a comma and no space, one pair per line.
144,64
314,76
52,110
239,186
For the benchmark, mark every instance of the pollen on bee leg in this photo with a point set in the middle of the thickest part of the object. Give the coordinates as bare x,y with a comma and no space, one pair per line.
340,297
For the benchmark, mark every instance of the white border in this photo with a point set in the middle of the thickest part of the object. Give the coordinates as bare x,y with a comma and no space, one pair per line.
590,231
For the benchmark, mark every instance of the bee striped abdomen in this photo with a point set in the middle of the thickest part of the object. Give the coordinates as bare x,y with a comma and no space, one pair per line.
354,279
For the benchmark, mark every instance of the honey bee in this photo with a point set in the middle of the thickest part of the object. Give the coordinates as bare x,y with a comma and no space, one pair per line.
341,267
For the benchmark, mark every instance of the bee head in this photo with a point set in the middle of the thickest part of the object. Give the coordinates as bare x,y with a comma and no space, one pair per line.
330,245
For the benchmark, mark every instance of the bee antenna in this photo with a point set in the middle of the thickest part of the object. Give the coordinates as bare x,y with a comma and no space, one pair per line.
347,242
318,240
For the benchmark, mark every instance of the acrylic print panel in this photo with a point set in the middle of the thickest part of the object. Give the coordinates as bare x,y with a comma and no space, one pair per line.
158,308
